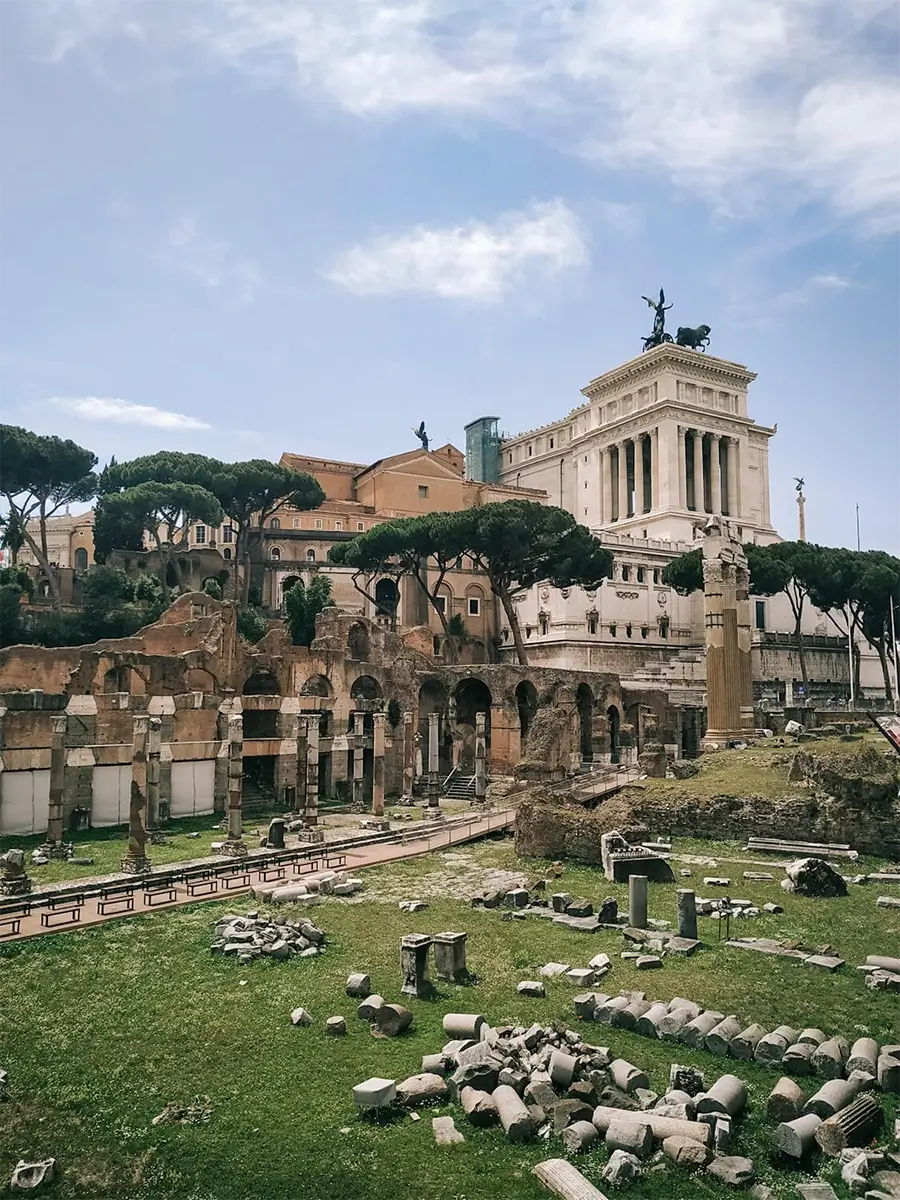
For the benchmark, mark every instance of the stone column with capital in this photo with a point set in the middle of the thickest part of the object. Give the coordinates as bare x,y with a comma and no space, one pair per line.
682,468
409,756
622,510
480,757
726,602
136,861
731,470
639,475
300,768
54,846
606,459
378,764
699,490
715,474
154,753
234,845
654,468
311,812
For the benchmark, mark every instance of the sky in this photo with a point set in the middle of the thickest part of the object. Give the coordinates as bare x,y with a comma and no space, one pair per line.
249,226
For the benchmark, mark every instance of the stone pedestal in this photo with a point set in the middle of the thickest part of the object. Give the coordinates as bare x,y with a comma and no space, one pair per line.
414,948
275,834
450,957
637,901
314,835
135,861
686,906
13,879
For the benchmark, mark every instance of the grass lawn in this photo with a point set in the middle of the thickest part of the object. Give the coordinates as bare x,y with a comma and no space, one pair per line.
100,1028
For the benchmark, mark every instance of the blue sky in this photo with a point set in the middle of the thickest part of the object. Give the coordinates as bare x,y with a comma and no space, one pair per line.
249,226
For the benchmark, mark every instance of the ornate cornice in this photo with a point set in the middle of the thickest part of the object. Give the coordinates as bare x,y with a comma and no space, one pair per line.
685,362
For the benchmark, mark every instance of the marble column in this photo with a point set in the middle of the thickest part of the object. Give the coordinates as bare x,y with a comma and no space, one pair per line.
606,458
639,475
409,755
300,795
234,845
622,511
54,846
154,751
434,763
654,468
686,909
135,861
378,720
682,469
358,781
731,476
699,490
715,474
480,757
726,604
637,901
311,811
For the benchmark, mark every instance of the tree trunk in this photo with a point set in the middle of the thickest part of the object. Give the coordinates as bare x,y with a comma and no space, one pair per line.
513,617
885,670
801,655
49,575
42,520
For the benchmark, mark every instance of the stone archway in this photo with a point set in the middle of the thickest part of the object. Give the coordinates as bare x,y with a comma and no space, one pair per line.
527,704
585,701
261,683
612,715
365,688
387,598
473,696
359,644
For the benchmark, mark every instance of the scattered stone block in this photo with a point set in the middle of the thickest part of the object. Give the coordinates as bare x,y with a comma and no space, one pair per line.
721,1036
374,1093
648,962
772,908
621,1169
728,1095
445,1131
301,1017
579,1137
584,1005
565,1181
580,976
463,1025
478,1106
28,1176
813,877
389,1020
816,1191
369,1007
422,1089
516,898
359,985
733,1170
685,1152
518,1123
716,881
335,1027
786,1100
532,988
553,970
630,1136
798,1137
560,901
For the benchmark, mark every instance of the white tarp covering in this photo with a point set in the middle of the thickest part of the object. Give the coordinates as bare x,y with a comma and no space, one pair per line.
112,795
192,788
24,802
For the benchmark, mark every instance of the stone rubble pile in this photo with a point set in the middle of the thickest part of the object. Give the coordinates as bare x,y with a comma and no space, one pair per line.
250,937
813,877
308,890
549,1082
882,973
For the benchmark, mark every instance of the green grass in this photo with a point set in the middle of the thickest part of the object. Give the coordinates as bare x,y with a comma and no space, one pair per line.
102,1027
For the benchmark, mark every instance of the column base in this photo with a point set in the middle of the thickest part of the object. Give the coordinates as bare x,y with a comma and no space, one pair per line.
234,848
20,885
314,834
133,864
718,739
157,837
55,850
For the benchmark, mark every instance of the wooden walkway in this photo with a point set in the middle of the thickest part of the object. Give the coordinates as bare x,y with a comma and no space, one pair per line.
186,883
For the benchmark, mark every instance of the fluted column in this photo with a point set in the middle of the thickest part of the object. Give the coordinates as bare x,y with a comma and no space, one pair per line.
699,491
623,480
715,474
731,476
606,460
654,468
682,469
639,475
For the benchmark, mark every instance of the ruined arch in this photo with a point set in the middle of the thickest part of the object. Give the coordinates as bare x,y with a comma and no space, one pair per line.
365,688
615,752
473,696
261,683
199,680
527,704
317,685
117,679
359,644
387,598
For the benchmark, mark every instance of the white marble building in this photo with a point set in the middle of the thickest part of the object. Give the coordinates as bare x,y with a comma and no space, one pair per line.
658,444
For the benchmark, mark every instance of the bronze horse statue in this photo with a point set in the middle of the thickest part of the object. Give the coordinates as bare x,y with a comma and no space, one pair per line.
693,339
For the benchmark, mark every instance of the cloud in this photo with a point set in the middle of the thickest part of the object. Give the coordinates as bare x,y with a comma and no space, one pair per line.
746,105
213,264
97,408
810,288
477,261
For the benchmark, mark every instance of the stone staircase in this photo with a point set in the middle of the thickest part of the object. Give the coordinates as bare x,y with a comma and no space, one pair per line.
684,673
458,786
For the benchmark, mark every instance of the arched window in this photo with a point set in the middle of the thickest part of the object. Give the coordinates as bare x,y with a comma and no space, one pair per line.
81,560
226,553
275,554
310,556
275,523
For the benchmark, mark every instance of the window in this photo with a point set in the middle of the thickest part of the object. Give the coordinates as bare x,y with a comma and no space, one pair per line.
359,527
319,524
440,603
551,443
644,631
545,625
626,574
656,574
227,533
664,628
310,556
530,451
640,574
474,606
510,458
628,630
226,553
81,560
275,523
275,554
760,614
585,458
592,624
339,525
423,491
200,534
585,484
297,523
612,630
